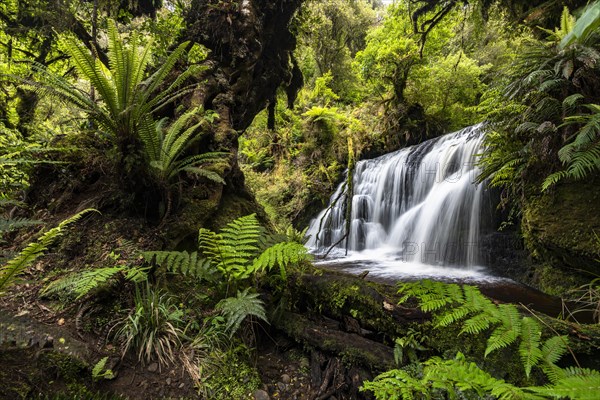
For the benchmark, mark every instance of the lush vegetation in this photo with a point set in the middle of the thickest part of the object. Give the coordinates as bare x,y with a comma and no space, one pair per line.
145,202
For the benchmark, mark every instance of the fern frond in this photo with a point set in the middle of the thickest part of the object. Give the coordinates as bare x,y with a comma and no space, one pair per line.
281,255
552,351
182,262
508,332
529,348
576,387
81,283
7,225
236,309
432,295
394,385
34,250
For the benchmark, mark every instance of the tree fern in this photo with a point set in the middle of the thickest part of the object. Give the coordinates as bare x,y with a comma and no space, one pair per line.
34,250
236,309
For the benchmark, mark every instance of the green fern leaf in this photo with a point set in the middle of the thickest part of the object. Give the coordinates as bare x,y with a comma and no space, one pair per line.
7,225
182,262
81,283
34,250
577,387
236,309
529,348
281,255
508,332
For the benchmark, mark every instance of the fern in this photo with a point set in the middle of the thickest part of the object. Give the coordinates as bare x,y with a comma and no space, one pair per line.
508,331
239,251
552,351
182,262
7,225
234,248
432,295
236,309
281,254
477,313
98,372
529,348
81,283
583,385
457,377
395,385
34,250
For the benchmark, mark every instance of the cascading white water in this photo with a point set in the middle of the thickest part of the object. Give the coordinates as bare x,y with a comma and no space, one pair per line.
420,204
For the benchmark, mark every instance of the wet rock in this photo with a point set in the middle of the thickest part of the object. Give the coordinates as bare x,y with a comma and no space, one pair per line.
260,394
285,378
153,367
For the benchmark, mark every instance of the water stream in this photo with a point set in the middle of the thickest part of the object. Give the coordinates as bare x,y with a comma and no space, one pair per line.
417,212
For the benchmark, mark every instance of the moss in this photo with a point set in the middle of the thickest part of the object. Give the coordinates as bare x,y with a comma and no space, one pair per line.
560,229
554,280
235,378
63,366
338,295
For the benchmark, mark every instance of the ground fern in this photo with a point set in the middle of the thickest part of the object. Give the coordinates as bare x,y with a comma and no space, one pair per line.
34,250
182,262
236,309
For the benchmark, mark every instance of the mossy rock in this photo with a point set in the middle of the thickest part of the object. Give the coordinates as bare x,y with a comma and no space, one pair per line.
560,229
337,295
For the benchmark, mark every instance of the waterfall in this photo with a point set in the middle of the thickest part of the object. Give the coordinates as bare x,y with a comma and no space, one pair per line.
422,204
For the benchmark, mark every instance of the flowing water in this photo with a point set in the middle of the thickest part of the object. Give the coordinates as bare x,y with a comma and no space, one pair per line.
417,212
420,213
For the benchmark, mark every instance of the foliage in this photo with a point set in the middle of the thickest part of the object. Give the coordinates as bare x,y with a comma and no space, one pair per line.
549,113
165,152
478,314
586,299
129,99
182,262
330,33
450,304
408,345
153,329
79,284
34,250
236,251
236,309
582,155
98,372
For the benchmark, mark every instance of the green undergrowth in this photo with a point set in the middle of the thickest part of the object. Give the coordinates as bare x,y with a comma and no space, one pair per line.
499,351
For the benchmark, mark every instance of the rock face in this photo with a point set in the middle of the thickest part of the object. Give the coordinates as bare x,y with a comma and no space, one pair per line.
561,229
